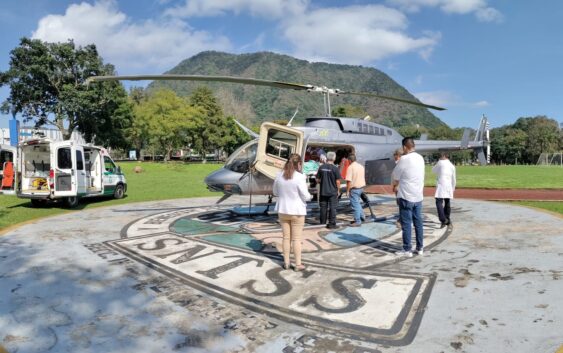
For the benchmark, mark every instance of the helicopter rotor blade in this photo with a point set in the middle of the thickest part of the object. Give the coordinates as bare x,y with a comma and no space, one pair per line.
255,82
170,77
402,100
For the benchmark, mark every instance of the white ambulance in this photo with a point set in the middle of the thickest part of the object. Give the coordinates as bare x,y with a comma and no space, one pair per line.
67,171
8,163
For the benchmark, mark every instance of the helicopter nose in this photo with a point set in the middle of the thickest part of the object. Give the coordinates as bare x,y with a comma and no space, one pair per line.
223,180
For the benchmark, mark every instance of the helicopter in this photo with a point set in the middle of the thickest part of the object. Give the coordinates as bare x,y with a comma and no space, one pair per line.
252,168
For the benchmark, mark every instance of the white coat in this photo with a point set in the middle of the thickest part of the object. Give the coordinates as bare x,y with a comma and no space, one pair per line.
445,179
292,194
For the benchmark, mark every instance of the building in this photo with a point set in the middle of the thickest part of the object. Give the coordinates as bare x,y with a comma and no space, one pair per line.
28,132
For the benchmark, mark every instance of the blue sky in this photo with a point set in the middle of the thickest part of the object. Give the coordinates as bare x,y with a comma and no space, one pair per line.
500,58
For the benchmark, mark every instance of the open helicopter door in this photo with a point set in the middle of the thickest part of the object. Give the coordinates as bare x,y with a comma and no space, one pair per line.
275,144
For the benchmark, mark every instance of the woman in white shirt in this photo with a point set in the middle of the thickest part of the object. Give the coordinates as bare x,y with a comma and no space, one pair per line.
290,187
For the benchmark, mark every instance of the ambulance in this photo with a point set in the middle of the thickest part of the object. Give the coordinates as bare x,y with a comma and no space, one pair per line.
8,163
65,171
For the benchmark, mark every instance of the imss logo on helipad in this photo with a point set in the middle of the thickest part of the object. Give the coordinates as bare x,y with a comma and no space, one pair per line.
340,293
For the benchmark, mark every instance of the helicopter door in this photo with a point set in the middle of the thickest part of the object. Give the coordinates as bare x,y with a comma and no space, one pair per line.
276,143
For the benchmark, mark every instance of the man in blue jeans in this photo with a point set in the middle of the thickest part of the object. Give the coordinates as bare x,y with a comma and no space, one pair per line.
355,183
408,183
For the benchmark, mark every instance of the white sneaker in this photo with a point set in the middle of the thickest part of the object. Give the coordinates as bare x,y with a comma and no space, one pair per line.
419,252
404,253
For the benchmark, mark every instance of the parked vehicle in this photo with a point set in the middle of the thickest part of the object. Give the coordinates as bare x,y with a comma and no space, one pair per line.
8,163
66,170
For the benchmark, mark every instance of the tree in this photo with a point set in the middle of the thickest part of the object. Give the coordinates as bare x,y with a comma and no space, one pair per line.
508,145
412,131
525,140
138,132
348,110
170,120
218,134
47,86
543,136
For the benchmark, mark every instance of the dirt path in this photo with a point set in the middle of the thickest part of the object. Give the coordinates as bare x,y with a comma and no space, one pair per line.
487,194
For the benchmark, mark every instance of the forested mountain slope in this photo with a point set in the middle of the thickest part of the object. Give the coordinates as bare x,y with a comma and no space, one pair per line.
255,104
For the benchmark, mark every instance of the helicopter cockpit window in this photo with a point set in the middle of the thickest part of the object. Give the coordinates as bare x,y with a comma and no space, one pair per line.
280,144
243,157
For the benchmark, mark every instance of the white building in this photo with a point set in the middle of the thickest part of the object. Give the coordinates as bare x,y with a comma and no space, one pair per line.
28,132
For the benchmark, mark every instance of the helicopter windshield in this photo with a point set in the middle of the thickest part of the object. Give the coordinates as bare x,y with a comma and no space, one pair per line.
243,157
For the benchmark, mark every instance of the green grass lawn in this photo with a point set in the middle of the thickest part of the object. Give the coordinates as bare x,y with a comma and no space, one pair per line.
505,177
164,181
553,206
158,181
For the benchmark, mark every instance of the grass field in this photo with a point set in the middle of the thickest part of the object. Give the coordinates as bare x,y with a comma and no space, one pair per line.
160,181
505,177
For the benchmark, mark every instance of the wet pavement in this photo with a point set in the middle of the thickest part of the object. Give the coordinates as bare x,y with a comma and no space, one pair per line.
191,276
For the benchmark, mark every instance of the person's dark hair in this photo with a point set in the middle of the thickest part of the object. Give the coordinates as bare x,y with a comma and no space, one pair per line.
292,164
408,142
352,157
444,155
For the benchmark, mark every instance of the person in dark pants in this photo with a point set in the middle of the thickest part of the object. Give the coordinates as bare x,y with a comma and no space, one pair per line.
328,177
445,187
408,182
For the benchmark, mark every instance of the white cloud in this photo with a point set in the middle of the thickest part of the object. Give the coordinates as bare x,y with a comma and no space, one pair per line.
489,15
259,8
256,44
149,46
483,12
481,104
448,99
439,98
354,34
418,80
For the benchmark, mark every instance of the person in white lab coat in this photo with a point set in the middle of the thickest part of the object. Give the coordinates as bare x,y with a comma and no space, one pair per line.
445,187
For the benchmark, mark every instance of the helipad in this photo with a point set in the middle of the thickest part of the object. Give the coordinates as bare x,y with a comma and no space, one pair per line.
188,275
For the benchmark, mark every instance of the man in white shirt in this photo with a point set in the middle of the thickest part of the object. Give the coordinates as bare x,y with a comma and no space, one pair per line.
408,183
445,187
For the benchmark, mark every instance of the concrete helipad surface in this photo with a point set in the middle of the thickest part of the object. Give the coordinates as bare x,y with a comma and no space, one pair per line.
191,276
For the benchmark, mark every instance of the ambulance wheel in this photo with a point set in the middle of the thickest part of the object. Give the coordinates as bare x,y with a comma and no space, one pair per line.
119,191
71,202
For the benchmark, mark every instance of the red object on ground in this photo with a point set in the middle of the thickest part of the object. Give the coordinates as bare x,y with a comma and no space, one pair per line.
8,177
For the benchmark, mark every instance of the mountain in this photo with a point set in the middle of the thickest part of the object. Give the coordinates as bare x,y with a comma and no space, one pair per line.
255,104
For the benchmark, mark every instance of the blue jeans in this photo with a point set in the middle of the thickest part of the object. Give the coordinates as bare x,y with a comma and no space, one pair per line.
356,206
411,212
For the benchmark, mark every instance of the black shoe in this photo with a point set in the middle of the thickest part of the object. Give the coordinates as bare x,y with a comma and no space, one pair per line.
332,226
442,225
